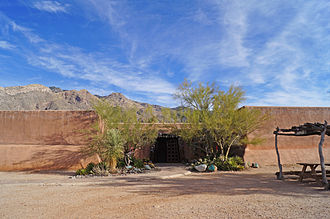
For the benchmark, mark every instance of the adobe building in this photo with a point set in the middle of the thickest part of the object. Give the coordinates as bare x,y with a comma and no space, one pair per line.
52,140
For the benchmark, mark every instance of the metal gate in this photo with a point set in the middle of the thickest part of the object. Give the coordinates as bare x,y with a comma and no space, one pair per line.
173,150
166,149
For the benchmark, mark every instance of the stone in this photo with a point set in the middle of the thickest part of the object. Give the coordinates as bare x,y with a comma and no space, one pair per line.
201,168
129,167
147,167
212,168
255,165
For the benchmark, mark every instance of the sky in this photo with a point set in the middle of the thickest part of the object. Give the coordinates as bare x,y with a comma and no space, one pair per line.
278,52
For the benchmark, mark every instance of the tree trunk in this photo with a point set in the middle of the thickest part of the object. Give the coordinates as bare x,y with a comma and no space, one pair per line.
228,149
280,175
113,165
324,174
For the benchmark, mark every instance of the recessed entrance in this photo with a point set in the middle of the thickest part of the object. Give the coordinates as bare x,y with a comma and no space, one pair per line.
166,149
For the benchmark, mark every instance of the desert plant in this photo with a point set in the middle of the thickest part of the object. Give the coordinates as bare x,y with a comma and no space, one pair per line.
121,163
101,169
138,163
214,121
89,168
134,133
113,147
81,172
232,163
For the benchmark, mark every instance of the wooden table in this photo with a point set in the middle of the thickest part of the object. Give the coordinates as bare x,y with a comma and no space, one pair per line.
312,173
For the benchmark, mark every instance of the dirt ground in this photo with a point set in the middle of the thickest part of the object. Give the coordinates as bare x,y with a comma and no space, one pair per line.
254,193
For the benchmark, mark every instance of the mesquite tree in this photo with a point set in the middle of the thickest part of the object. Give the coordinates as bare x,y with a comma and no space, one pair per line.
214,120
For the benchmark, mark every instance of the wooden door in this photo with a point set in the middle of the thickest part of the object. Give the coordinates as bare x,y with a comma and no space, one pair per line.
173,155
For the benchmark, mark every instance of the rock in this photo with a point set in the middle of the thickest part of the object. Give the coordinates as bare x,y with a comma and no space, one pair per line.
201,168
212,168
55,89
255,165
147,167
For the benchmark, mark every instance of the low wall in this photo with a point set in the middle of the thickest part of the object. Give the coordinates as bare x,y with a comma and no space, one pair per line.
292,149
37,140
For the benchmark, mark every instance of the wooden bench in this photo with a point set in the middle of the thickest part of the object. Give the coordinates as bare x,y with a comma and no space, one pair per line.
298,173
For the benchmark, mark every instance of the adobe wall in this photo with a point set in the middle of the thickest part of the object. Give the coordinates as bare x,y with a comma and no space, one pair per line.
36,140
292,149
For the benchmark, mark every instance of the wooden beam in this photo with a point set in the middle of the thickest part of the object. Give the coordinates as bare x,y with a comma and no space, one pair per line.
324,174
280,175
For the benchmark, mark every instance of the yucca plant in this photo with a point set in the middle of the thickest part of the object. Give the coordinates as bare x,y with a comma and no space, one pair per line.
109,146
113,147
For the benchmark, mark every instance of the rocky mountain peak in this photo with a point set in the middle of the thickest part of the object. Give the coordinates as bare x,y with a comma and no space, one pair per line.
39,97
117,96
25,89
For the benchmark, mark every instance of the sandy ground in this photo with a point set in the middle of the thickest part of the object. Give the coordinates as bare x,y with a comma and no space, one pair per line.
254,193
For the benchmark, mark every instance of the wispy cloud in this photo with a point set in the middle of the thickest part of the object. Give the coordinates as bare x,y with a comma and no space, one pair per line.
27,32
96,67
233,22
71,62
288,67
6,45
51,6
278,51
235,42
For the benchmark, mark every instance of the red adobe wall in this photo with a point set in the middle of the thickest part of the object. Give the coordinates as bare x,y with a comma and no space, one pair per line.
292,149
43,139
36,140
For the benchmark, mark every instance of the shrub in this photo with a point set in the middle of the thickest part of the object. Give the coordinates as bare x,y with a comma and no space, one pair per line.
89,168
138,163
232,163
121,163
101,169
81,172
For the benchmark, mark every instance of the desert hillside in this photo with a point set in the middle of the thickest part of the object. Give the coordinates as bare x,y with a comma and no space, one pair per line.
39,97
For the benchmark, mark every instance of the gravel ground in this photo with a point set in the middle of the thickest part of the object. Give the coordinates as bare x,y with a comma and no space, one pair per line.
254,193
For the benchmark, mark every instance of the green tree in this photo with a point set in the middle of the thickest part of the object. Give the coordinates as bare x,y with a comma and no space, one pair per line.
109,145
214,121
134,133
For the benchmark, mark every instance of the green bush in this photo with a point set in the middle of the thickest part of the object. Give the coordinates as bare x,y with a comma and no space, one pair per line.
232,163
138,163
121,163
89,168
78,172
81,172
206,160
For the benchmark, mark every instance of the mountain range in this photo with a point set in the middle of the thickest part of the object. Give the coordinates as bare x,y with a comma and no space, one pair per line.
39,97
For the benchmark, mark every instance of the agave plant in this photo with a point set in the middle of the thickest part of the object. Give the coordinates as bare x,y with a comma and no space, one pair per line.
101,169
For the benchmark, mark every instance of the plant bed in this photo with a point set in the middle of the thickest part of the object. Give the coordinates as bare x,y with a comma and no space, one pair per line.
102,169
217,164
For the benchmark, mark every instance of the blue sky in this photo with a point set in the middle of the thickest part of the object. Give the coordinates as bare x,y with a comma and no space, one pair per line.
277,51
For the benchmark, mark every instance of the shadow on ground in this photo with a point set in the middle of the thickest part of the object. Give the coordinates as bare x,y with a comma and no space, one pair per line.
219,183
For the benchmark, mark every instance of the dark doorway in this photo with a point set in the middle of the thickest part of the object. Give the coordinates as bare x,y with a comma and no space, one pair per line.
166,149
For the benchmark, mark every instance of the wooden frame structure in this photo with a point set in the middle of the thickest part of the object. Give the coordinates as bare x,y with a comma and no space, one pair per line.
305,130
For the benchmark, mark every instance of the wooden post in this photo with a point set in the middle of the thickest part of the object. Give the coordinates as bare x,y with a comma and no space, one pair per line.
280,175
324,174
